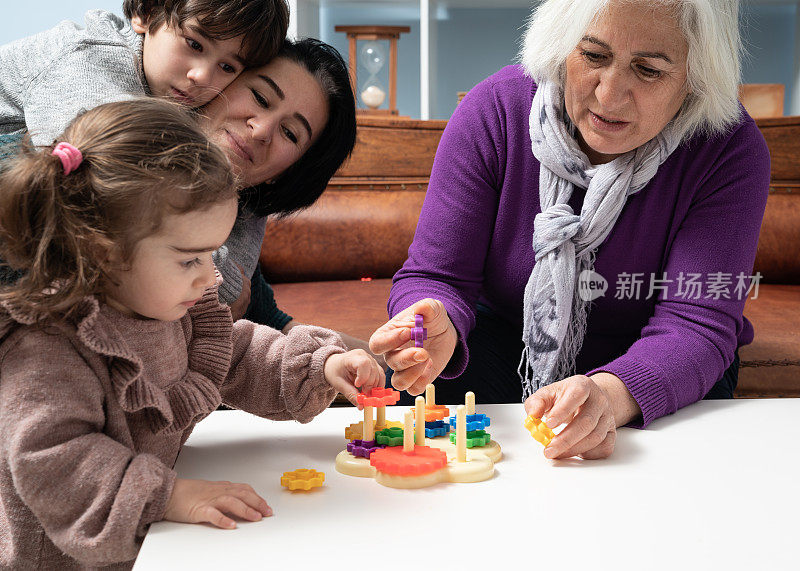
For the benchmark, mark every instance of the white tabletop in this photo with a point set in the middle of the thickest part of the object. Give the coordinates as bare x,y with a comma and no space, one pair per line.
714,486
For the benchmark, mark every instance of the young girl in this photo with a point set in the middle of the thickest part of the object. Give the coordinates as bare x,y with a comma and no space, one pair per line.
114,344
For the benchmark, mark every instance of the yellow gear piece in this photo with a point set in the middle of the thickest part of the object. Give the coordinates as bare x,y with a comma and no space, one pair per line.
539,430
354,431
302,479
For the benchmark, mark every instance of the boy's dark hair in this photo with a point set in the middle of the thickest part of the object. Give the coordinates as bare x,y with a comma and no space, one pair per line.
262,23
301,184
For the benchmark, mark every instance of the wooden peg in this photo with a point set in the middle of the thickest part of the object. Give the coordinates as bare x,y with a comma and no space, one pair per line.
419,405
430,396
469,398
369,432
408,433
461,433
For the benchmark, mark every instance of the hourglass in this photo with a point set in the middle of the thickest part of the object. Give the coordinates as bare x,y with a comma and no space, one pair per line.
370,93
373,58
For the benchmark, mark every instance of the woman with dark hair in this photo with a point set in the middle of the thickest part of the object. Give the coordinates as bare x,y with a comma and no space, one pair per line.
288,126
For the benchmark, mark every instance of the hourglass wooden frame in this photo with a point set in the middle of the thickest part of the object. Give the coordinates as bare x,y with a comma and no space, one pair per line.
373,33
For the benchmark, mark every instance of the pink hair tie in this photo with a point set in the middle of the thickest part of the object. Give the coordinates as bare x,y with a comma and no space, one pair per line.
70,157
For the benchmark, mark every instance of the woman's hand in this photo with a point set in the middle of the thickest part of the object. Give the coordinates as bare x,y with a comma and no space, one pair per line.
200,501
591,407
415,368
353,371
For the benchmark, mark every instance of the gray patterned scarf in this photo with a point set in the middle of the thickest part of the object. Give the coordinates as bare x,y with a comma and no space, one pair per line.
554,314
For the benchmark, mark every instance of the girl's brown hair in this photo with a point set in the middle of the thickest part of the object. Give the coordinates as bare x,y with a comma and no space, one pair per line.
142,159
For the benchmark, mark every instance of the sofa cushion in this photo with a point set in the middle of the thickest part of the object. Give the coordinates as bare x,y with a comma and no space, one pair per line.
778,254
354,307
346,234
770,365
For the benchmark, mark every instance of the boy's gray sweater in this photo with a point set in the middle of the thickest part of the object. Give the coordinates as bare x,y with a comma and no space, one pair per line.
49,78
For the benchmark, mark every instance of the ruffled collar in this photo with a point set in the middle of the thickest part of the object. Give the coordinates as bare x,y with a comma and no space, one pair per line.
208,328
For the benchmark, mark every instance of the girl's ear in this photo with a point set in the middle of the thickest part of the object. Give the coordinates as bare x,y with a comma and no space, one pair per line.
107,254
139,25
111,255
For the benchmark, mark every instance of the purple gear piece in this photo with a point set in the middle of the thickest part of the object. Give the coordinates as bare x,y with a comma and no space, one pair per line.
419,333
363,448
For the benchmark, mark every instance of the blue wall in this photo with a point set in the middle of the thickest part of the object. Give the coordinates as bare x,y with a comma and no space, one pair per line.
27,17
768,32
472,43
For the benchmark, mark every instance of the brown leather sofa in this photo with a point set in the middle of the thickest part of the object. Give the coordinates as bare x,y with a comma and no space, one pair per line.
332,264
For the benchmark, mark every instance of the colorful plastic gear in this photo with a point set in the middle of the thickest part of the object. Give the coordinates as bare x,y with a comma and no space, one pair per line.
378,397
363,448
418,333
390,437
474,421
539,430
355,431
434,412
436,428
302,479
422,460
475,438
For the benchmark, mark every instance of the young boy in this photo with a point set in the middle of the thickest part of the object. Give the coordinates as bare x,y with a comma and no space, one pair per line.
186,50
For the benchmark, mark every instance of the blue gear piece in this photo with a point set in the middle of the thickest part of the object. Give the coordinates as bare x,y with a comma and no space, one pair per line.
438,431
474,422
436,428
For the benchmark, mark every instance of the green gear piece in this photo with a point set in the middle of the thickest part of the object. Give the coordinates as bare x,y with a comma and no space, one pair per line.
475,438
390,436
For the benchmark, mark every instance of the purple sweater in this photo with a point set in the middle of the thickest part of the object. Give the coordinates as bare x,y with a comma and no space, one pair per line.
700,214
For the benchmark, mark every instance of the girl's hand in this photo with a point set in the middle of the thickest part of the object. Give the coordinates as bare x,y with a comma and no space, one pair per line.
591,407
200,501
416,368
352,372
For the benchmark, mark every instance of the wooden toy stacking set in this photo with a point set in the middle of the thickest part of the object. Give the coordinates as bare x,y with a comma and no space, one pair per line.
422,453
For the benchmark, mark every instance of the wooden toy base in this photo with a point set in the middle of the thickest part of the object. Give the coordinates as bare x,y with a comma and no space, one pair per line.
491,450
478,467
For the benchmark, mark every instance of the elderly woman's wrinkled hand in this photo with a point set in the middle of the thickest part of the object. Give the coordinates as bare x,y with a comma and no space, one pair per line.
415,368
588,411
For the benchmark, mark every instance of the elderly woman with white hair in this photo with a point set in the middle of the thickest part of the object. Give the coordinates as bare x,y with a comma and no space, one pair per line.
590,226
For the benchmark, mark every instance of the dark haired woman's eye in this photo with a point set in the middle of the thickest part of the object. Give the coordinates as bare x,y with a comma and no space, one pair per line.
260,99
291,136
194,44
227,68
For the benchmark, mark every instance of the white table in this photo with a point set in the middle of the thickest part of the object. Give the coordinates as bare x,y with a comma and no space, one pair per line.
715,486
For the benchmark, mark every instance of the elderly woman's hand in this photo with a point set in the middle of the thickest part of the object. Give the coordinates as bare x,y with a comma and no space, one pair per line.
415,368
591,407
